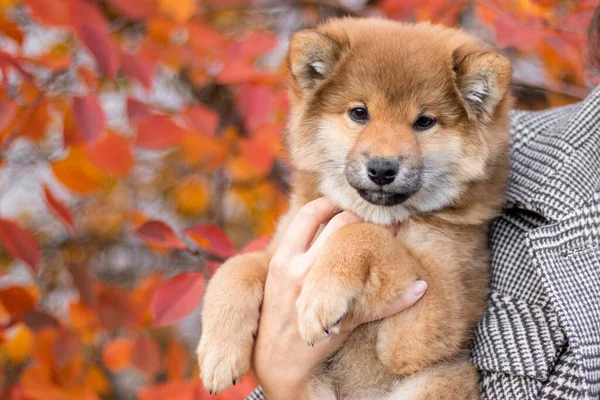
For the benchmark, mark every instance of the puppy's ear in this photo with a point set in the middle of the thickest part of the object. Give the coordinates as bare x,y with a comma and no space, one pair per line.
312,56
483,80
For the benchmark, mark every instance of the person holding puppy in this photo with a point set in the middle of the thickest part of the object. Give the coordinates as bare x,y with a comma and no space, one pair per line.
540,338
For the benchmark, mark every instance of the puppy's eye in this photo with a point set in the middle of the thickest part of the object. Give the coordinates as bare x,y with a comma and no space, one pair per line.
359,114
423,123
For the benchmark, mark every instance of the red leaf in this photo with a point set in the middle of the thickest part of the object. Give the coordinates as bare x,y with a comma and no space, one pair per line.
257,244
20,244
113,154
211,267
8,112
256,103
158,132
158,233
239,71
137,111
509,32
101,46
145,356
115,308
202,119
66,347
177,297
212,239
84,281
37,320
89,117
138,67
136,10
253,45
59,209
53,13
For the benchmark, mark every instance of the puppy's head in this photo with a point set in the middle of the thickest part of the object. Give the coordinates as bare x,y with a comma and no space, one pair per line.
395,119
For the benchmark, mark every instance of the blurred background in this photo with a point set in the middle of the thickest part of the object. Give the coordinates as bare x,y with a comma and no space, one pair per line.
140,146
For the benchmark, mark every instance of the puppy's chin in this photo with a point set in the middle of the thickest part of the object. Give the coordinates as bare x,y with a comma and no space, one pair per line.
347,198
380,198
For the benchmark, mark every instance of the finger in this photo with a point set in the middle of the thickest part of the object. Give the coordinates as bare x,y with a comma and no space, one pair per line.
406,299
303,227
340,220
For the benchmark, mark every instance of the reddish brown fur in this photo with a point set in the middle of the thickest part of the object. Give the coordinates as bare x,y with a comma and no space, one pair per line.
399,71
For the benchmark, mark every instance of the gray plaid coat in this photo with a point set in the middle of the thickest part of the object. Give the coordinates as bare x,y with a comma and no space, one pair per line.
540,338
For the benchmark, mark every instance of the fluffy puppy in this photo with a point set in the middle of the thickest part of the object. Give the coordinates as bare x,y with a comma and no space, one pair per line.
399,123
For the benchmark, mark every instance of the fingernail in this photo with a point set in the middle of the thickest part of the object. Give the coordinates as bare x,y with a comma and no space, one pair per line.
418,288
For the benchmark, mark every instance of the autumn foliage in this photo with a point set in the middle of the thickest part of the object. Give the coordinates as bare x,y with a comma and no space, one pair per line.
140,147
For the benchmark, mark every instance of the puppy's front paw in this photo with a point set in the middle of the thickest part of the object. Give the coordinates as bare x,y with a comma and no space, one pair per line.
320,311
223,361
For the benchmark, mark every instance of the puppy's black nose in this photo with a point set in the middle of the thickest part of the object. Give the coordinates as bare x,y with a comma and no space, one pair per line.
382,171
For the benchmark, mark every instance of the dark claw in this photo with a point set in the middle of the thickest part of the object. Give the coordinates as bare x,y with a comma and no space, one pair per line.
311,344
233,381
338,320
210,392
326,330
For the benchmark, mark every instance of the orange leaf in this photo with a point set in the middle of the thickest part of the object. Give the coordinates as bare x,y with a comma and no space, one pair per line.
177,297
158,132
113,154
176,360
43,346
158,233
139,67
178,390
37,384
19,243
192,197
83,321
17,300
212,239
35,121
210,152
179,10
97,381
145,356
10,29
89,117
77,173
116,355
257,154
59,209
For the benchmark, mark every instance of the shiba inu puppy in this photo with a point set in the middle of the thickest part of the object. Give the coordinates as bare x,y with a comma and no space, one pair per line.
399,123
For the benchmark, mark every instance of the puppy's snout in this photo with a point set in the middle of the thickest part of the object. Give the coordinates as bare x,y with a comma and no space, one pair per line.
382,171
